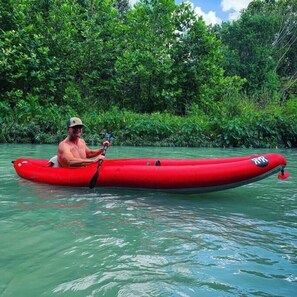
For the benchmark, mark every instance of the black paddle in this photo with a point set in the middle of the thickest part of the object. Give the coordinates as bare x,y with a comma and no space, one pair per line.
95,176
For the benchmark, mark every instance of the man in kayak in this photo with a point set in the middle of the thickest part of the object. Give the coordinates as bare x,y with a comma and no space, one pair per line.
73,151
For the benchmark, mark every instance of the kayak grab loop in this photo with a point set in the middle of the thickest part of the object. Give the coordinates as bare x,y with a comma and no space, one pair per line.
283,174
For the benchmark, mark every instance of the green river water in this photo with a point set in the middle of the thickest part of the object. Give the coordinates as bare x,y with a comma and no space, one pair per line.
74,242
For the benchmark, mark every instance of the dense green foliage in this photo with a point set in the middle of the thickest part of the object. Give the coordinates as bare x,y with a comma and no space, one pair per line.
261,47
153,74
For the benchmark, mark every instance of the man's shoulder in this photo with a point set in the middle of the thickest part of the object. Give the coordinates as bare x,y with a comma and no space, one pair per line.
63,142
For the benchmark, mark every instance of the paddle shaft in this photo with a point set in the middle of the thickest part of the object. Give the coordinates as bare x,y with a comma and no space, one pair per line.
95,176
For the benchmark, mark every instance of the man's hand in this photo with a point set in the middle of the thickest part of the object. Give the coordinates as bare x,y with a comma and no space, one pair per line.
100,157
106,143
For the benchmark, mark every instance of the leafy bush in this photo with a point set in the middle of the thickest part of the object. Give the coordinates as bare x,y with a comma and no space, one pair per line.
234,124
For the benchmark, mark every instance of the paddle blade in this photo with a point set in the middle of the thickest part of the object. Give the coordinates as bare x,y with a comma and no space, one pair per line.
95,176
283,175
94,180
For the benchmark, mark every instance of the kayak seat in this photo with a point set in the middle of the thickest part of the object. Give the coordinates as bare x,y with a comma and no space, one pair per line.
53,162
158,163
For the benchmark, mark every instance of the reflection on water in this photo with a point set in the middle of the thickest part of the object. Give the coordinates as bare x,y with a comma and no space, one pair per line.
61,241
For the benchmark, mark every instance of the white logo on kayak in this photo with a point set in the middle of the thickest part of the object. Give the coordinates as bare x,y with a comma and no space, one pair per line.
260,161
24,162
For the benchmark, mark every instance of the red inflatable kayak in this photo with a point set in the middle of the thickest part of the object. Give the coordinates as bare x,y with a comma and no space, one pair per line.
189,175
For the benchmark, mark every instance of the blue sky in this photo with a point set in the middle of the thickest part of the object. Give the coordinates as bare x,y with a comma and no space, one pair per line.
216,11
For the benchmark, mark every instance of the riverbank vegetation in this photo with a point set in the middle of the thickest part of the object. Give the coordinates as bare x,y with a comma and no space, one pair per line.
152,74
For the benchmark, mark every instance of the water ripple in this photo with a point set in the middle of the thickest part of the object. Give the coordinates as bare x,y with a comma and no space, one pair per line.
65,242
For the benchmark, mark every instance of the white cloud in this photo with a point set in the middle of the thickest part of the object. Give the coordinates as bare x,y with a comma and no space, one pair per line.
233,16
234,6
209,17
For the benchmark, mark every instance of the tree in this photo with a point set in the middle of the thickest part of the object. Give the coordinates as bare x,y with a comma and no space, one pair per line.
249,53
170,60
285,44
142,68
27,67
261,46
122,6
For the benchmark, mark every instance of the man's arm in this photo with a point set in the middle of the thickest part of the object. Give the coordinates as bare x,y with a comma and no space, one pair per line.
96,152
93,153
